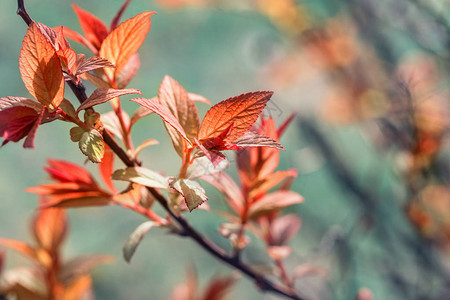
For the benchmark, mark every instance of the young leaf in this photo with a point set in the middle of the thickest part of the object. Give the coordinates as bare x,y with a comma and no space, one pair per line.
135,239
93,28
142,176
124,41
40,68
93,63
100,96
92,145
173,96
192,191
253,139
240,112
164,113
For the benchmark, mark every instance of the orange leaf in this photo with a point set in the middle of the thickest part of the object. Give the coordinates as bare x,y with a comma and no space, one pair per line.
40,68
241,111
94,29
172,95
164,113
49,228
124,41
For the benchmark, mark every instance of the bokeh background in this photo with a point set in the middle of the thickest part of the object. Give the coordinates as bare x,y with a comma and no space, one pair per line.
369,83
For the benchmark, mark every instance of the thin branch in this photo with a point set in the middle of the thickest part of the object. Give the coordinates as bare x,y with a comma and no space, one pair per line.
262,282
21,11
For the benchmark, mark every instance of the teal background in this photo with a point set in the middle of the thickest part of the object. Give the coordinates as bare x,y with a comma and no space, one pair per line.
218,53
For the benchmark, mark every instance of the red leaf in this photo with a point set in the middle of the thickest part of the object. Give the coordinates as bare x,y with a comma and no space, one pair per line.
29,141
164,113
100,96
16,122
94,29
40,68
64,171
240,111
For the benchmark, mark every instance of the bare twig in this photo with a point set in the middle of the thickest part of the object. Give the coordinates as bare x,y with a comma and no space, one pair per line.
261,281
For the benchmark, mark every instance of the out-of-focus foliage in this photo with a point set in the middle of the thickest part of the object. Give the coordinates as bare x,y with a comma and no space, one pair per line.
369,82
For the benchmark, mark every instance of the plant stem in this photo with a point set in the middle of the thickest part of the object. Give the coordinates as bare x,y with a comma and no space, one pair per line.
261,281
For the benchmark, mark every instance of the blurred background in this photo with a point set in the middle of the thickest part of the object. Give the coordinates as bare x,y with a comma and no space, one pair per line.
369,83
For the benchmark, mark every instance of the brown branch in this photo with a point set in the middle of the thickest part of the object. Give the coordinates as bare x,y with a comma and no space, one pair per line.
262,282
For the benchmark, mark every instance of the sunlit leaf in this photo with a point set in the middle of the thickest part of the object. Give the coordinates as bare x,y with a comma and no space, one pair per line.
192,191
253,139
40,68
241,112
135,239
142,176
92,145
124,41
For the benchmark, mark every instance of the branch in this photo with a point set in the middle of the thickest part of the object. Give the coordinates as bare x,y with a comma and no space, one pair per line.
262,282
21,11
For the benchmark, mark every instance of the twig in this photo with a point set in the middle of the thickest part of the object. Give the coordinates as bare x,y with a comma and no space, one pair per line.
262,282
